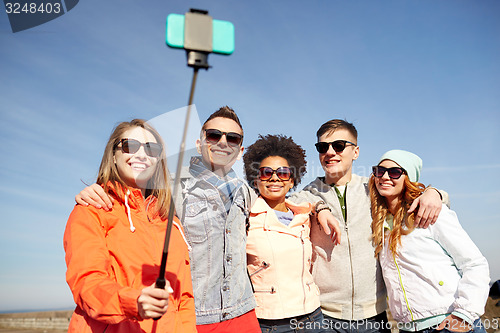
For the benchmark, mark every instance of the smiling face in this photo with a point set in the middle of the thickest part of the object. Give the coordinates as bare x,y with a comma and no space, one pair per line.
135,169
274,190
338,166
220,157
387,187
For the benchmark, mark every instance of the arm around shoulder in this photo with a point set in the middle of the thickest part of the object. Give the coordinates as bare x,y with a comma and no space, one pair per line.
445,198
427,207
95,196
304,195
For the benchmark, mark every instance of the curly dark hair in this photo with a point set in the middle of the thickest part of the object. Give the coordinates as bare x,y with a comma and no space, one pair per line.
274,145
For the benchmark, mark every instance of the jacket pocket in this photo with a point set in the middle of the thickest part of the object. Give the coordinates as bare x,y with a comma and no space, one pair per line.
196,222
270,290
263,266
313,288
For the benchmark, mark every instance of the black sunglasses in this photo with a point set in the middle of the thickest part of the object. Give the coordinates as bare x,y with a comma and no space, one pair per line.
132,146
394,173
283,173
337,145
214,135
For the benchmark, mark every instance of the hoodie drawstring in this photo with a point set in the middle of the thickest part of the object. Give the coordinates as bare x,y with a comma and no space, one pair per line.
132,228
383,236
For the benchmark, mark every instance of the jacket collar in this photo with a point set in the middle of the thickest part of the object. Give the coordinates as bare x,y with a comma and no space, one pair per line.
260,206
270,222
319,182
135,195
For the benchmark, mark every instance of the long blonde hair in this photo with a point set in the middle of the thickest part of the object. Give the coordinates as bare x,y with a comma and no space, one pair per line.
158,185
403,223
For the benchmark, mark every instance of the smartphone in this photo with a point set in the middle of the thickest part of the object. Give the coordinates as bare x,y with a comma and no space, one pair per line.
222,36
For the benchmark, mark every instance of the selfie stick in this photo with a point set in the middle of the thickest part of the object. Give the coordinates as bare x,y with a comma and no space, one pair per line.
160,281
199,39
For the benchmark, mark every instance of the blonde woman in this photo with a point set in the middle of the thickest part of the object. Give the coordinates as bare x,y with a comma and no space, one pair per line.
113,257
436,278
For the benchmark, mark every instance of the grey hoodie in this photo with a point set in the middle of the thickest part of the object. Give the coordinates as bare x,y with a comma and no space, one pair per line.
348,275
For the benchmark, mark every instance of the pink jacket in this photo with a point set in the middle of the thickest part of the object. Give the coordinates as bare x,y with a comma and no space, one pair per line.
279,262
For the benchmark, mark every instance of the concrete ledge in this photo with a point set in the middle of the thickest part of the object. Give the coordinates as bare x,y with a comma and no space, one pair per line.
46,320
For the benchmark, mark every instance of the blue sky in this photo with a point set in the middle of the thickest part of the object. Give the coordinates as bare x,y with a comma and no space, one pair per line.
417,75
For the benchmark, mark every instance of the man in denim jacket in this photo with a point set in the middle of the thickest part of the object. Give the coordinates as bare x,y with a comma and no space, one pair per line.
214,206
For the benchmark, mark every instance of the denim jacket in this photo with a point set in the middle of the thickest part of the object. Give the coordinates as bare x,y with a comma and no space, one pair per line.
222,289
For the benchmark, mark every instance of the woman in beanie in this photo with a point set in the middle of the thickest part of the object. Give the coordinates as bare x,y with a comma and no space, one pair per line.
436,278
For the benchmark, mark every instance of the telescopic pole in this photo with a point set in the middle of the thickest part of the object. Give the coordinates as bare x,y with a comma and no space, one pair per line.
160,281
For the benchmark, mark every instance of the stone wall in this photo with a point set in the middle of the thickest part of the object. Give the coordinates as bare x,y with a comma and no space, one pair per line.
47,320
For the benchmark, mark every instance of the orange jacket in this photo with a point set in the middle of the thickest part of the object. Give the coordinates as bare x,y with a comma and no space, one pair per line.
109,265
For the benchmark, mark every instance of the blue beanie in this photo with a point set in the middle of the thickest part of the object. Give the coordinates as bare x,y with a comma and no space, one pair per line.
410,162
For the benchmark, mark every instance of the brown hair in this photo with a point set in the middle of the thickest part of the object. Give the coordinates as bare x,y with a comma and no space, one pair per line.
224,112
335,124
403,223
158,185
